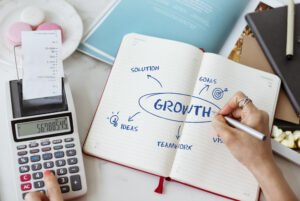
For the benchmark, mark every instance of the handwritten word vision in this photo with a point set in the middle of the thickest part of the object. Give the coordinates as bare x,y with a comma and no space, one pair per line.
144,69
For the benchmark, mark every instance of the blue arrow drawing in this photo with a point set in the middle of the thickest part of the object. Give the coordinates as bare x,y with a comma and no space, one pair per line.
205,87
178,132
130,118
150,76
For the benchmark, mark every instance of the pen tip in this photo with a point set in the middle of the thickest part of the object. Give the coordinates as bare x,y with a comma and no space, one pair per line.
289,56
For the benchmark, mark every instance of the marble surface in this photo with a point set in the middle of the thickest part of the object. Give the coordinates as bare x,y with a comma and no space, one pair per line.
106,181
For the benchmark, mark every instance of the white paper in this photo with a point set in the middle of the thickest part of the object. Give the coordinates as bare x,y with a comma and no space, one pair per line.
42,64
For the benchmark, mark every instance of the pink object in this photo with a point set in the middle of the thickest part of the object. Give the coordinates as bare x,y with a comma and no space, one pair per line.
26,187
50,26
14,33
25,177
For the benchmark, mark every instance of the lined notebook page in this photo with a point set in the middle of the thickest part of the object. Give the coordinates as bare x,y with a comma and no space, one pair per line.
125,129
209,165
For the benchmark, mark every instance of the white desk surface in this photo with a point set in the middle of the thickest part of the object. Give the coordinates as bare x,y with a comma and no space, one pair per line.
106,181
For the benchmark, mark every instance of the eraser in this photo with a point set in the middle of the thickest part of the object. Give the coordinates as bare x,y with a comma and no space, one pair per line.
14,33
50,26
33,15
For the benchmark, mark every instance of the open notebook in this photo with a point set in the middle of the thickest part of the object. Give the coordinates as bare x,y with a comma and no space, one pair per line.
156,109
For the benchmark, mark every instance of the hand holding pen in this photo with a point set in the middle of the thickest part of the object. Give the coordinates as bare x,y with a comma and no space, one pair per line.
252,152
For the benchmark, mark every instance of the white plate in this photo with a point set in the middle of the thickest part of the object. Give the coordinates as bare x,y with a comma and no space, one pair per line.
57,11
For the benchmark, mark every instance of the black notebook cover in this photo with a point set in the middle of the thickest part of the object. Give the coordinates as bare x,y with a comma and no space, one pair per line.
269,27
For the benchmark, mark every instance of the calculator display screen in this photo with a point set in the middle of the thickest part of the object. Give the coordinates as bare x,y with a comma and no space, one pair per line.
43,127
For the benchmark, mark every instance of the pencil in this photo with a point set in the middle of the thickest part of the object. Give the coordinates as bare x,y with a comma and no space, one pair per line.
290,30
245,128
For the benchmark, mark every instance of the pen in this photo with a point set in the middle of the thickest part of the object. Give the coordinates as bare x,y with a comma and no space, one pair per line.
245,128
290,30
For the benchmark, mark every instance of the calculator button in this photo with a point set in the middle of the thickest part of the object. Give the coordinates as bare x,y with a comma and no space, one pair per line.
74,169
39,184
45,143
75,182
47,156
37,175
23,169
48,165
53,172
71,152
21,147
35,158
56,141
22,153
25,177
70,145
23,160
72,161
34,151
36,166
64,189
62,171
69,139
26,187
63,180
57,147
59,154
34,144
60,163
46,149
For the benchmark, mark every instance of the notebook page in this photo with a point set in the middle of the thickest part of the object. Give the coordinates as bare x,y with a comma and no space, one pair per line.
209,165
132,124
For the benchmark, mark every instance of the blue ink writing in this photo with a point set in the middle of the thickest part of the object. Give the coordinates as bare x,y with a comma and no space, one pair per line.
150,76
207,80
205,87
130,118
218,93
145,68
129,127
217,140
171,145
178,107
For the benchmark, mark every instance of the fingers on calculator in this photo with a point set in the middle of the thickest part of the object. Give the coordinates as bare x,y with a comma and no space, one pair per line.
52,187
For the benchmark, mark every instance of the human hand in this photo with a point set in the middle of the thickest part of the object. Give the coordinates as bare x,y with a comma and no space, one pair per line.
53,189
250,151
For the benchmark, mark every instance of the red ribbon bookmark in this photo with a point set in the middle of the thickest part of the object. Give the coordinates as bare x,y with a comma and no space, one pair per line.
160,186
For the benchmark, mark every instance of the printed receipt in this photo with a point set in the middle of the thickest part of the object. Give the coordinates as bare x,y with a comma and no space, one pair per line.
42,64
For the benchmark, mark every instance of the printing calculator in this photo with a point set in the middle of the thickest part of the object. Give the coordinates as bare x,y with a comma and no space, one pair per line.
44,136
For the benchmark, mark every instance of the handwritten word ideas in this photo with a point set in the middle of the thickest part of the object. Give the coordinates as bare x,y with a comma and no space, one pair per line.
144,69
172,145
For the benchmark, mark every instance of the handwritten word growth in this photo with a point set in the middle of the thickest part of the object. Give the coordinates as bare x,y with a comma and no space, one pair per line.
178,107
171,145
145,68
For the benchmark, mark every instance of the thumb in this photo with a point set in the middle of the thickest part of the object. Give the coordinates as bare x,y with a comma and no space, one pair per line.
223,129
52,186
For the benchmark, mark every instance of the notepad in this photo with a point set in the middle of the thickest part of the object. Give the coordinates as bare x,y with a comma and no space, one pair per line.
205,24
156,110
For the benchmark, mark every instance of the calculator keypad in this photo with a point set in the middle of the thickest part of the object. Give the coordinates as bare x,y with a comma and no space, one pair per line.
59,156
